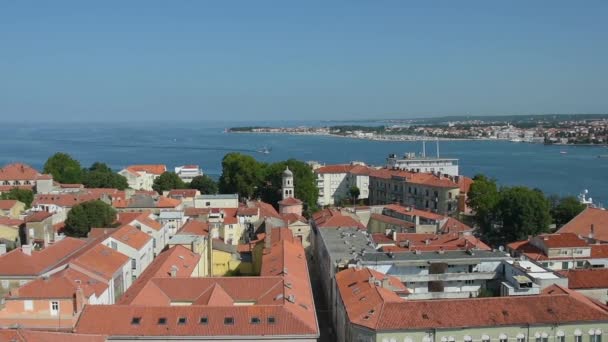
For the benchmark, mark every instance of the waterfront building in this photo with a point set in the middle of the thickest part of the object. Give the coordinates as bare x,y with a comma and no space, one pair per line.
335,181
141,177
23,176
435,192
187,172
423,163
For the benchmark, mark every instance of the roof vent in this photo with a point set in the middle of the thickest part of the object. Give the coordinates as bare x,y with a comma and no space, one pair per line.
288,285
291,298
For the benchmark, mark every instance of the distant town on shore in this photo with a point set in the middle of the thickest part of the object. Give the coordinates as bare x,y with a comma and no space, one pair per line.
563,129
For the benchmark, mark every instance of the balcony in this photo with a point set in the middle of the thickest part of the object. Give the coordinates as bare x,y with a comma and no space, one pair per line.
446,276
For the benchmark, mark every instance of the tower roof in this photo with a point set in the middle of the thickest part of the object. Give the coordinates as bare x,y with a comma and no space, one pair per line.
287,172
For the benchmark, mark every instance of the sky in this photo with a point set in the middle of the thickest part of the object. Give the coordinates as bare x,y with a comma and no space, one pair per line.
300,60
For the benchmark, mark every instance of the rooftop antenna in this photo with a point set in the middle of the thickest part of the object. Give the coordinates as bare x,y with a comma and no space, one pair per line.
437,141
423,148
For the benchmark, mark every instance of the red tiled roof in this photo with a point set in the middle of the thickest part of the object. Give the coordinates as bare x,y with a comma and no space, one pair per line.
453,225
18,171
428,179
16,263
392,220
71,186
186,193
562,240
333,218
378,308
290,218
345,168
102,260
487,312
62,284
464,183
196,211
7,188
131,236
156,169
290,201
599,251
38,216
411,211
245,211
7,221
7,204
65,200
179,256
266,210
431,242
195,227
587,279
230,220
581,224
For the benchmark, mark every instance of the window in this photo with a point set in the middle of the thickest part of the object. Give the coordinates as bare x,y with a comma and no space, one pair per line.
54,308
113,245
28,305
255,320
521,338
133,264
5,284
181,320
561,336
272,320
162,321
469,282
564,265
228,320
485,338
502,338
135,320
204,320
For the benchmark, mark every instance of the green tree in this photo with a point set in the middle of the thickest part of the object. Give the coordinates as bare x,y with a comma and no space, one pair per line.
204,184
241,174
566,209
522,212
354,193
22,195
64,168
87,215
168,181
483,198
304,181
99,175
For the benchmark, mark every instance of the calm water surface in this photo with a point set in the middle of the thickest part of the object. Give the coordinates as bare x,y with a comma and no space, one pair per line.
533,165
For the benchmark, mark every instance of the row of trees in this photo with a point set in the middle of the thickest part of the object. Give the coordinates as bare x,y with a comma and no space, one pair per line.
249,178
507,214
68,170
170,181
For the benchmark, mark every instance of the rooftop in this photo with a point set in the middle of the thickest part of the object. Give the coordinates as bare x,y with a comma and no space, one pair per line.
17,263
582,223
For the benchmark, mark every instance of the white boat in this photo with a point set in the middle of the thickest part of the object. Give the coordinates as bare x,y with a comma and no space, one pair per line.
563,152
264,150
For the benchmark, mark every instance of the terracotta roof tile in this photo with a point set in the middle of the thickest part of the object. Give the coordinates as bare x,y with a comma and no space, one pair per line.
7,204
20,335
102,260
38,216
11,222
17,263
290,201
329,218
345,168
18,171
428,179
131,236
195,227
156,169
62,284
587,279
65,200
186,193
581,224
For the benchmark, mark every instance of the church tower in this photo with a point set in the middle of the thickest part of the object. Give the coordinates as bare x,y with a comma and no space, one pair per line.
287,183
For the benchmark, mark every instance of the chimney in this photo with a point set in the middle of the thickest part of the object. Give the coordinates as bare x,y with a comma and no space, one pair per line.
268,237
174,271
385,283
592,231
394,235
79,299
2,249
26,249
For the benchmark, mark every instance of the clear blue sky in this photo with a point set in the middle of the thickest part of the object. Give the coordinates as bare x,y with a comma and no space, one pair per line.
210,60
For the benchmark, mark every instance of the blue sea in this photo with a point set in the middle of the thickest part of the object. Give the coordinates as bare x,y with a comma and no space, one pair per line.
205,144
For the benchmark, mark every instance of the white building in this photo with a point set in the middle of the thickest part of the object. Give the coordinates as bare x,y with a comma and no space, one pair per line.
188,172
135,244
147,223
217,201
141,177
422,163
335,181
